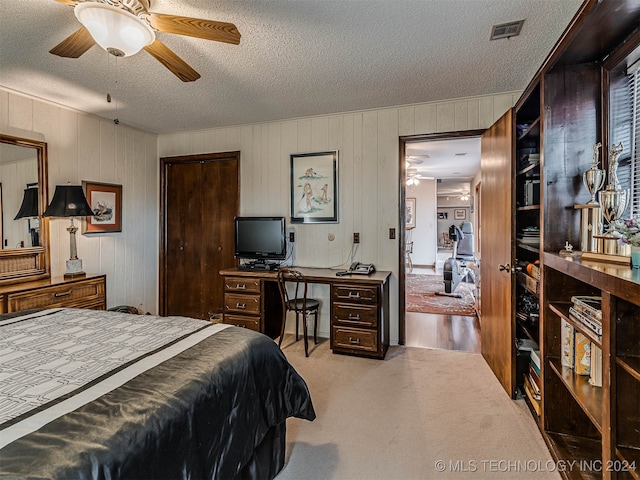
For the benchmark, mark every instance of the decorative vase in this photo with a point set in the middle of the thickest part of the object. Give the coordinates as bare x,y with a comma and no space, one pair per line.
635,257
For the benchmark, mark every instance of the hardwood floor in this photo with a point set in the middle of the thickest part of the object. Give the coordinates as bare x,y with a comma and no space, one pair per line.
448,332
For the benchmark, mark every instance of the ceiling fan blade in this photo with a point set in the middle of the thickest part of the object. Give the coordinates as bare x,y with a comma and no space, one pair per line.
73,3
173,62
74,45
195,27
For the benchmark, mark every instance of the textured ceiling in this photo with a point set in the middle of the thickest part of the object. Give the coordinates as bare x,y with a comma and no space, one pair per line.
296,58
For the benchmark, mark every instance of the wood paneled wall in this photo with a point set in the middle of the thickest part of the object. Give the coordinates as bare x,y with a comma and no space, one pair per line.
368,144
86,147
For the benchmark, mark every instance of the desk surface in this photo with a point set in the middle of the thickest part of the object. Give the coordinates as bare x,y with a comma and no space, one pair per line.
314,275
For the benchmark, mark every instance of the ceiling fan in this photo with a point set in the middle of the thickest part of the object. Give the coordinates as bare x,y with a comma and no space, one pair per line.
413,177
124,27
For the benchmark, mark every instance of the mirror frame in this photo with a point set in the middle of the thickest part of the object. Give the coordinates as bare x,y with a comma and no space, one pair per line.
26,264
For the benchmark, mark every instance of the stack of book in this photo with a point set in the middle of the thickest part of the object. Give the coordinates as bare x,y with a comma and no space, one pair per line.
532,381
580,354
588,311
529,236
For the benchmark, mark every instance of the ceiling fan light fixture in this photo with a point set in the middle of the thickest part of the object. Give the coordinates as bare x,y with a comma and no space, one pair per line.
116,30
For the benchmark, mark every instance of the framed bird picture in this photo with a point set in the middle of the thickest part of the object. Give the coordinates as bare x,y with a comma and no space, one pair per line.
314,187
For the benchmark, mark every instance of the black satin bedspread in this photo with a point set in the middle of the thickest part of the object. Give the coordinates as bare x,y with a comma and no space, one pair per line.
216,411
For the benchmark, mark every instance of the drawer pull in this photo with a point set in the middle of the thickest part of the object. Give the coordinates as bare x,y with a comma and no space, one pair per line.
62,294
354,317
243,326
242,306
354,341
241,287
354,295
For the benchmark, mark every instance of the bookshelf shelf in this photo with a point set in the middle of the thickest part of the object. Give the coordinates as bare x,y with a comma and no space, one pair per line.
631,365
532,132
529,168
588,397
631,461
584,451
529,248
526,208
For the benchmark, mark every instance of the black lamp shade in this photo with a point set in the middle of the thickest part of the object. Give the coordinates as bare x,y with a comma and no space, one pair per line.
68,201
29,207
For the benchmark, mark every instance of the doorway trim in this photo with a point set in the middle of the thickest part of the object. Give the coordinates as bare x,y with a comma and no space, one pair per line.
402,193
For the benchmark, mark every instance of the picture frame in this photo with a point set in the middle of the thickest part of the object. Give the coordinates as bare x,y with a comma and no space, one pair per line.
410,212
443,215
105,200
459,214
314,187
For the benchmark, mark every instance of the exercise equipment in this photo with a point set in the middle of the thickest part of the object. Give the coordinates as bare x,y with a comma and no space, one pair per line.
456,268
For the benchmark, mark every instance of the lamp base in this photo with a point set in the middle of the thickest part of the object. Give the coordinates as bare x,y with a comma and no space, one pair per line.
74,269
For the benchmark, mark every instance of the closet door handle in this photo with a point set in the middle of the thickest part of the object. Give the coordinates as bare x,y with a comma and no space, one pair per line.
505,268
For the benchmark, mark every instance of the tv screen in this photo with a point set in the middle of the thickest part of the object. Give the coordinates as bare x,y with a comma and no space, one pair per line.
260,238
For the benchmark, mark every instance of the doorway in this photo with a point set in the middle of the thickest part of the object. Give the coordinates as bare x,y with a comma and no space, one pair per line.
439,187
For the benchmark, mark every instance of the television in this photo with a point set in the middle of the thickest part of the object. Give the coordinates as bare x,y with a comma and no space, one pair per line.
260,238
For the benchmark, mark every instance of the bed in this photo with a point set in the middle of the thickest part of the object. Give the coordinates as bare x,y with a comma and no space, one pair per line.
106,395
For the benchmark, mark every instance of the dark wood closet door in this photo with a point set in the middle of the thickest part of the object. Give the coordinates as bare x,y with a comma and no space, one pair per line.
498,321
200,198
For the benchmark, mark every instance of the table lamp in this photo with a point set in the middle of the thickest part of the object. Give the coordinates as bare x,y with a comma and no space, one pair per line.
69,201
29,209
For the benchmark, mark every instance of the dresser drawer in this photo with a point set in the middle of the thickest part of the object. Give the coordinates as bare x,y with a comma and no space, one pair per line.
242,303
71,295
239,284
356,315
252,323
355,294
355,339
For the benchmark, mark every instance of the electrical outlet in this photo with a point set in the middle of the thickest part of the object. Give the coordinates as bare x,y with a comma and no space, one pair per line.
392,234
292,237
356,238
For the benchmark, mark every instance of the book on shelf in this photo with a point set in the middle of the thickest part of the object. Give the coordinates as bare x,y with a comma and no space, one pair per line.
595,378
534,356
594,325
528,390
533,375
534,387
526,344
582,355
590,305
566,344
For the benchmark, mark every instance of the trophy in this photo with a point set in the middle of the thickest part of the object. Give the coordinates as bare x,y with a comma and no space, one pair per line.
593,178
613,199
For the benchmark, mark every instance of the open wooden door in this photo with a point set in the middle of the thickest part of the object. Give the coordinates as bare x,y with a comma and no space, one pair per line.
497,247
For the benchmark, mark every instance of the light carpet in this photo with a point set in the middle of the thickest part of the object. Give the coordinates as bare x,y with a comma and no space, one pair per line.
419,414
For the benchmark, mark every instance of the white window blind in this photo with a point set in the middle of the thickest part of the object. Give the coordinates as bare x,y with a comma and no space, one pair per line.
634,206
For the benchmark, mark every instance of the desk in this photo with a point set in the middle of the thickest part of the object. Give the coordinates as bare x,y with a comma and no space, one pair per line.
359,318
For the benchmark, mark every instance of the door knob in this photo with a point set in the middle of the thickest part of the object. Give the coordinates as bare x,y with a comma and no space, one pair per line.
505,268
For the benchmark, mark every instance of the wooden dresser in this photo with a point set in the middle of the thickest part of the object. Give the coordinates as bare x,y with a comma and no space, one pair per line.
85,292
359,321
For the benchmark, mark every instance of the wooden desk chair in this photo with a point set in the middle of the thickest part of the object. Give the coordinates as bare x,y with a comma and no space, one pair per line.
298,303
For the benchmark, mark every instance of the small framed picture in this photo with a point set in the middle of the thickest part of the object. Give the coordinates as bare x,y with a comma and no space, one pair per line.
105,200
459,214
410,213
314,187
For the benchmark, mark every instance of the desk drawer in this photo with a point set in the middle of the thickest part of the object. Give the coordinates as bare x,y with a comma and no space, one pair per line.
355,339
75,295
252,323
356,315
237,302
355,294
239,284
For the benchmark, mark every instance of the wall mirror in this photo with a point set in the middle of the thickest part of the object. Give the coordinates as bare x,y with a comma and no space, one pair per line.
24,233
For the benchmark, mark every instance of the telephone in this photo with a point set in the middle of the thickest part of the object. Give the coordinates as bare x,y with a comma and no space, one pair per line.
359,269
